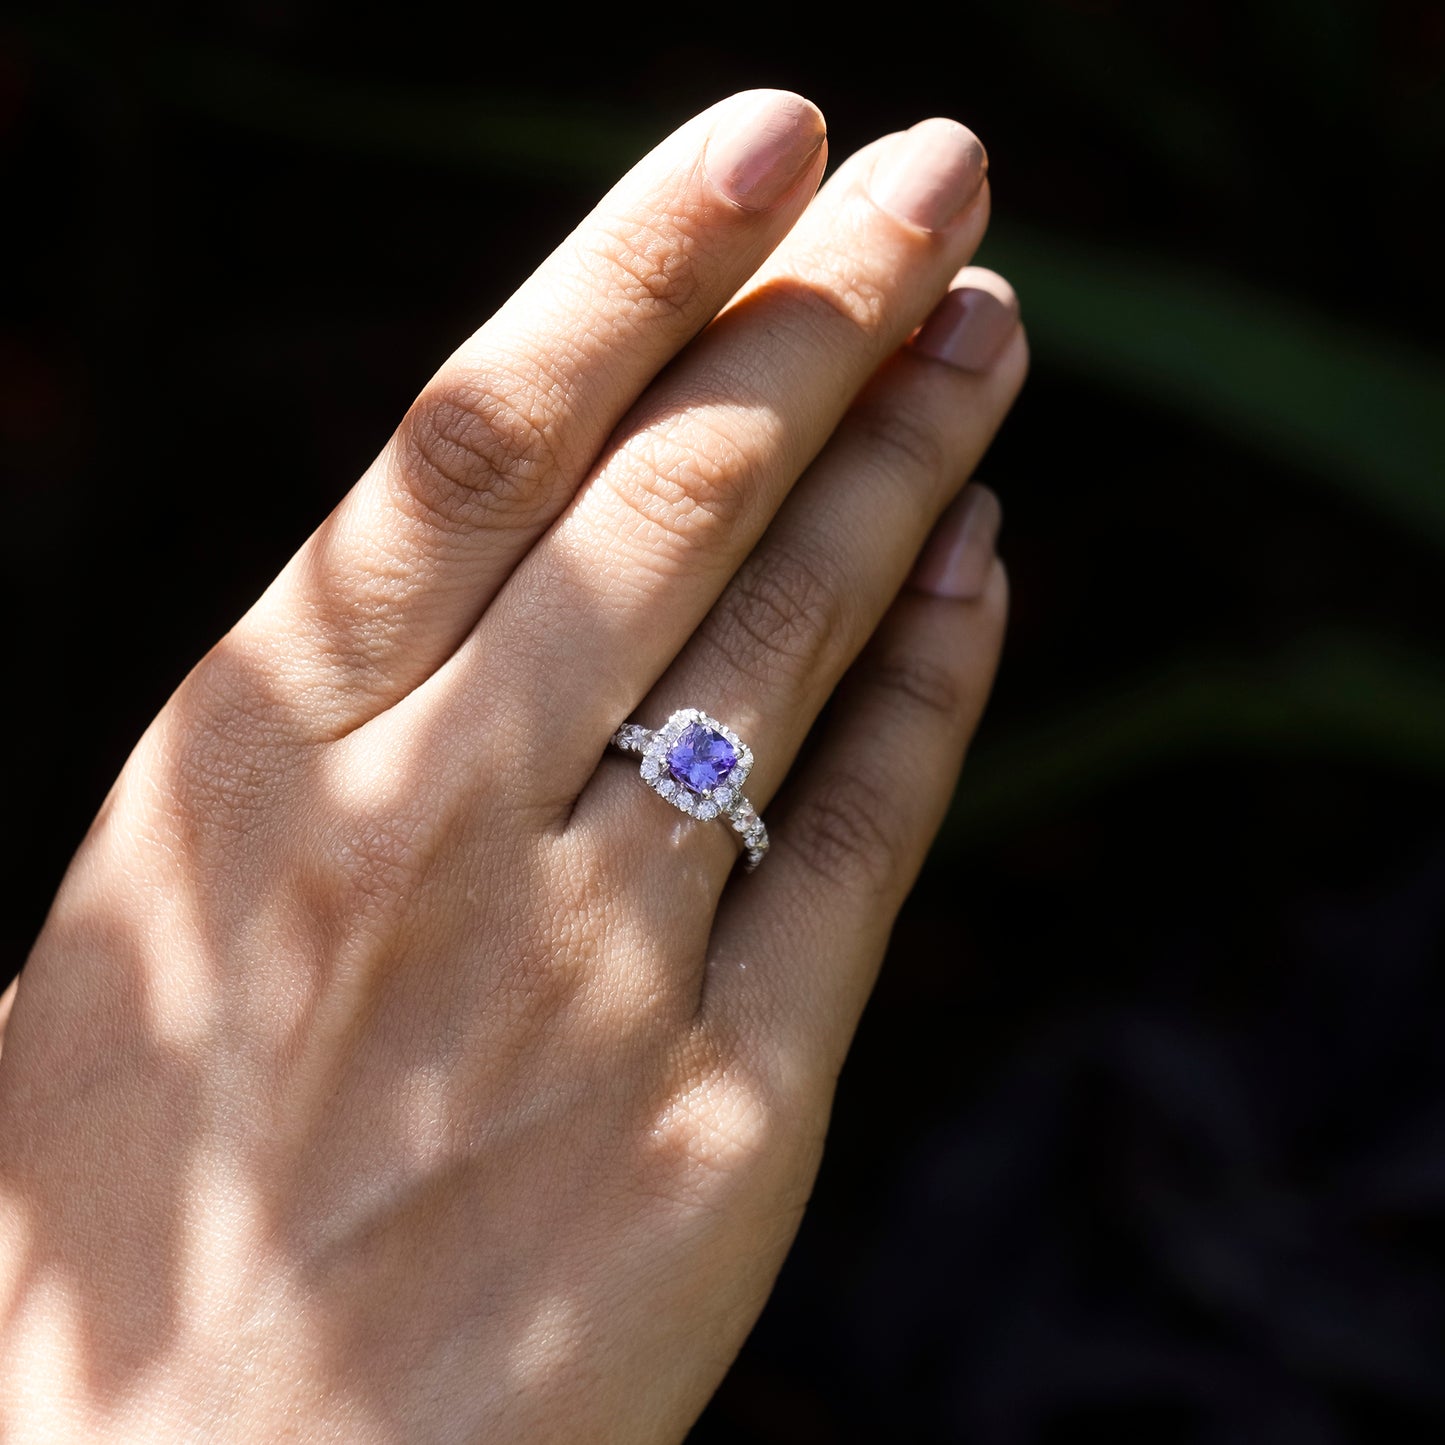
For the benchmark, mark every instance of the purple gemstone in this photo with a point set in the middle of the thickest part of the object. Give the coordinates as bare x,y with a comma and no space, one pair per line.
701,758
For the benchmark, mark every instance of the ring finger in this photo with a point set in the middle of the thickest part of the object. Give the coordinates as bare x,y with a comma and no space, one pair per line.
813,591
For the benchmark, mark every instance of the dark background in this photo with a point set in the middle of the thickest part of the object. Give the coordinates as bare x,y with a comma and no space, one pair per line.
1142,1137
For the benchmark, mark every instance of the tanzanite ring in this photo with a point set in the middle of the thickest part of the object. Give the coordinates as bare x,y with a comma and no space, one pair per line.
699,765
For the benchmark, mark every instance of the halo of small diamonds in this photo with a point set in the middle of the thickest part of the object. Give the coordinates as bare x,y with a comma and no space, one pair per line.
681,760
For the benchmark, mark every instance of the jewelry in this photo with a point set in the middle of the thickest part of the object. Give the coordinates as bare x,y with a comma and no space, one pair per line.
699,765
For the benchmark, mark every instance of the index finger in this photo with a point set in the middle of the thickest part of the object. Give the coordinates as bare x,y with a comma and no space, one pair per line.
502,435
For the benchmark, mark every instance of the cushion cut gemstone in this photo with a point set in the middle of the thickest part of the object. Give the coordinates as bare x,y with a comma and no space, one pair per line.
701,758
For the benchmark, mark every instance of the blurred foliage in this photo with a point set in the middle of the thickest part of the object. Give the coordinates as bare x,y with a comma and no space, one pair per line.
1320,398
1331,695
1360,412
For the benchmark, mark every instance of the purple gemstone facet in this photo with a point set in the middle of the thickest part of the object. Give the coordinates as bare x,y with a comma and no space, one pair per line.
701,758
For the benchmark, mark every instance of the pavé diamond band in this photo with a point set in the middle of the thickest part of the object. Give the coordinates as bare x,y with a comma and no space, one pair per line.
699,765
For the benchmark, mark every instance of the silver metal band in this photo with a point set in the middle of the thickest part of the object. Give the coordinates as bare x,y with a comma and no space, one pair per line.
699,765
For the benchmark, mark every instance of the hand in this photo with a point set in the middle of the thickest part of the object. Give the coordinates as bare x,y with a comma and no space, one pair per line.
394,1064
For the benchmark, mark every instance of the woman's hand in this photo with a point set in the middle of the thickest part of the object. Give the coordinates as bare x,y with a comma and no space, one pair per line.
395,1064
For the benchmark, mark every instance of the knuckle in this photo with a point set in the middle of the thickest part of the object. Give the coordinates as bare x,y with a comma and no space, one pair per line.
713,1125
474,453
838,296
777,617
708,1135
919,682
227,739
382,835
836,828
233,692
644,262
684,484
900,441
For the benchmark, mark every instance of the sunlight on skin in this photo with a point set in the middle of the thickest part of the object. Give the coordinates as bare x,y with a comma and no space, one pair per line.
7,1002
46,1328
180,1000
719,1123
222,1241
545,1345
238,1288
426,1114
15,1233
400,1101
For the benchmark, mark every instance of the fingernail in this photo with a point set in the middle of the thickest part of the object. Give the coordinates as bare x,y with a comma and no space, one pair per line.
959,554
929,174
761,147
968,328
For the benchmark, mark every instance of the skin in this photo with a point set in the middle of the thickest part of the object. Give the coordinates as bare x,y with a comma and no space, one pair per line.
393,1064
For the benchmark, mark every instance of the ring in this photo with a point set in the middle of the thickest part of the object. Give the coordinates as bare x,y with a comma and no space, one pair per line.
699,765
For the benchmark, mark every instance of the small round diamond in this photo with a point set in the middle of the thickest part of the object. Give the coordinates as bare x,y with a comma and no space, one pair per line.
650,769
666,787
706,808
722,796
